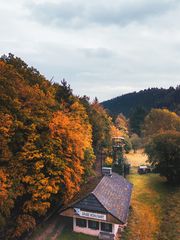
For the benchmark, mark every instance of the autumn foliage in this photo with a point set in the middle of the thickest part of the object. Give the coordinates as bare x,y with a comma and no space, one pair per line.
48,138
162,133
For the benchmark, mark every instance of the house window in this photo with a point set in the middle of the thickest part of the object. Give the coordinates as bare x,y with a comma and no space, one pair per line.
93,225
106,227
81,222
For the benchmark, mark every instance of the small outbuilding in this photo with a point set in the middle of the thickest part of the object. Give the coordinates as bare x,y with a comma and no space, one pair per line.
102,208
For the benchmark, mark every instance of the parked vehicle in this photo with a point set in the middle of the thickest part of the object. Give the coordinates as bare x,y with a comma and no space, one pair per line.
143,169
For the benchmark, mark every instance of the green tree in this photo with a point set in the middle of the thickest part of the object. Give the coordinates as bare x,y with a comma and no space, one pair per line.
159,121
137,119
127,145
101,126
164,151
136,142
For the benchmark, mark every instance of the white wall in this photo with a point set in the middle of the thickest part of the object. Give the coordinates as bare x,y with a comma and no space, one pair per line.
85,230
115,228
90,231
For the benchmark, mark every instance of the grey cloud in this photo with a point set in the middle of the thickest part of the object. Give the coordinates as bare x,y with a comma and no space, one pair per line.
63,14
131,12
98,52
122,45
81,13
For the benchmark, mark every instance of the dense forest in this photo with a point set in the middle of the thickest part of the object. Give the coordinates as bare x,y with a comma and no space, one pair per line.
150,98
154,124
136,105
49,139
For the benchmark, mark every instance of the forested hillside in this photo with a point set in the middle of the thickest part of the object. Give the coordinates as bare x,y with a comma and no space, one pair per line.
150,98
136,105
48,142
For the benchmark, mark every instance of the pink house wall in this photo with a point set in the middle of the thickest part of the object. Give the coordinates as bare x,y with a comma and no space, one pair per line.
92,232
87,231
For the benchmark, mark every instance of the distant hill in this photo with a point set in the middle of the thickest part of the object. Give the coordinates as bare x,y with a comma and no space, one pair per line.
146,99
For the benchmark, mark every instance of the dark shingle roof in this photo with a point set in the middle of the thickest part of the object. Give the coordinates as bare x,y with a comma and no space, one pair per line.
90,203
114,193
85,191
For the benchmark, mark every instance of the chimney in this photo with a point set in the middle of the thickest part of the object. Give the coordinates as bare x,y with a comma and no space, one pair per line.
107,171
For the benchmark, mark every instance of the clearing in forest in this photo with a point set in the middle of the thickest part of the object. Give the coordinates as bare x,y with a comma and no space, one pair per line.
154,215
155,212
137,158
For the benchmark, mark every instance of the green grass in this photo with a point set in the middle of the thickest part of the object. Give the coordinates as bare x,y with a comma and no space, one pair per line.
67,234
154,215
155,212
50,230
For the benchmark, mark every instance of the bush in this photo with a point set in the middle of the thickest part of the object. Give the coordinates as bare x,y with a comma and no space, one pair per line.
164,151
136,142
128,145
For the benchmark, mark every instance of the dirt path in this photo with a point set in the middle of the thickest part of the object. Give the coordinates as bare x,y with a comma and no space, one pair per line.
58,232
52,229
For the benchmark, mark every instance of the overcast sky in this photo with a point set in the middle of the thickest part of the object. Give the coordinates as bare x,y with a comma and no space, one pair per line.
102,48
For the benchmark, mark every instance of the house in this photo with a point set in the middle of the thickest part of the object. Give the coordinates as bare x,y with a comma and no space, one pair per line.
102,208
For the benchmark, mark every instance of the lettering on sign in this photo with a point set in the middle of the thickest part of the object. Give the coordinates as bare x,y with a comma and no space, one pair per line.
90,214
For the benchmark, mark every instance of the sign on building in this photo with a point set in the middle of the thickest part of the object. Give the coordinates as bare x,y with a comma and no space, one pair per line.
90,214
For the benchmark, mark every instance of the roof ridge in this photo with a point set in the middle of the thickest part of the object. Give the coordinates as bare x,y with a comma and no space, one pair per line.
109,180
107,209
117,206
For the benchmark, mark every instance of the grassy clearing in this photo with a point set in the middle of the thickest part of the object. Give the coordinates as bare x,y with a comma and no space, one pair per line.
137,158
155,213
67,234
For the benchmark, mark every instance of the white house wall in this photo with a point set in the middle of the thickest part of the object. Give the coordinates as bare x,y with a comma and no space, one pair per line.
90,231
